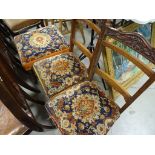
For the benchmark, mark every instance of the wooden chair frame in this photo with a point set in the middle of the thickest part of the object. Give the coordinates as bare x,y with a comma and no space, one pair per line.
134,41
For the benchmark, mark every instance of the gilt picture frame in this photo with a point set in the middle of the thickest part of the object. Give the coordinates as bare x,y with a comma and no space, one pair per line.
125,72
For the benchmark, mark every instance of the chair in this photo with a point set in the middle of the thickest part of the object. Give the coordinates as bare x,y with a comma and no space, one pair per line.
19,77
18,26
10,48
39,44
16,115
16,74
83,107
13,109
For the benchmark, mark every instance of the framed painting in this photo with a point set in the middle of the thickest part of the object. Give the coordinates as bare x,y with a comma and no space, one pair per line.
118,66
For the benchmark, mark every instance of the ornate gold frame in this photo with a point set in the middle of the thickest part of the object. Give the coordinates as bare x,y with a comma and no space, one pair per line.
108,63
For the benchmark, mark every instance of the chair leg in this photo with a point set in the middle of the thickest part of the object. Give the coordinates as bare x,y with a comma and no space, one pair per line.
82,33
25,85
60,25
27,132
14,59
65,26
49,126
46,22
35,80
30,98
20,71
43,24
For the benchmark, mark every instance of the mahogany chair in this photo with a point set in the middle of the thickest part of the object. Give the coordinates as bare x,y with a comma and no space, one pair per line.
15,112
10,48
77,105
19,79
15,115
13,27
39,44
32,46
17,74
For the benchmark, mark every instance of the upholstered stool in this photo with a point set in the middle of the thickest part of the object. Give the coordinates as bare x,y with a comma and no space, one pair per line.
39,44
82,109
59,72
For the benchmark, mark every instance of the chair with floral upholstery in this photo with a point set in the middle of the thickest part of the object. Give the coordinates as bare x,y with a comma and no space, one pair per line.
77,105
7,41
34,44
39,44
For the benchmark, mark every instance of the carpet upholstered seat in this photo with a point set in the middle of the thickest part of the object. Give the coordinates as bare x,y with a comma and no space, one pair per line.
59,72
75,106
82,109
39,44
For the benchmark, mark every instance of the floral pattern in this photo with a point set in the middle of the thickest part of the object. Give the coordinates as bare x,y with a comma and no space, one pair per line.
83,109
59,72
36,44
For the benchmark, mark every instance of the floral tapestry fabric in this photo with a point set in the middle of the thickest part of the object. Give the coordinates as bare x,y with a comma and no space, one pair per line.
83,109
38,44
59,72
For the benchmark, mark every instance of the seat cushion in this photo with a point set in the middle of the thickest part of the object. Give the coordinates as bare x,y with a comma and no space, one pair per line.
39,44
83,110
9,125
18,24
59,72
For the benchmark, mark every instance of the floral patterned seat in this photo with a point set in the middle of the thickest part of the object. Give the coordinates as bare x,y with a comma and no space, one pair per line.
39,44
82,109
59,72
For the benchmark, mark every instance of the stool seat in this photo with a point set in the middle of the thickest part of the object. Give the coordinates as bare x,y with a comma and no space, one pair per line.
39,44
59,72
83,109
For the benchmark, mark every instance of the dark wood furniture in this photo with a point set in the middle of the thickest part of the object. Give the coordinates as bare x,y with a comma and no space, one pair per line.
13,98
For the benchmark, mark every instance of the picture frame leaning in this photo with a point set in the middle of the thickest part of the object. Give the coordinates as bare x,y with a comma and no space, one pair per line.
119,67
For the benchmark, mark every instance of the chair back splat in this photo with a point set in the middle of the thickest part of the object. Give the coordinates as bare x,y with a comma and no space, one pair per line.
134,41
